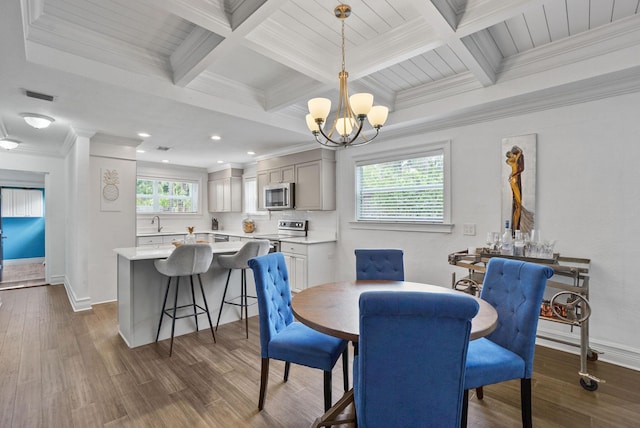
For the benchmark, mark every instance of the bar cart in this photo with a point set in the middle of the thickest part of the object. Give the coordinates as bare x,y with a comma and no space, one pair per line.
569,305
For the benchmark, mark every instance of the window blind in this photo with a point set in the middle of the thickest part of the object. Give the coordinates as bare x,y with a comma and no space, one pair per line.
402,190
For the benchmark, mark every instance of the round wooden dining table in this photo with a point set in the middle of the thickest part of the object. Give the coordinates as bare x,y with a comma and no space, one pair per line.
333,308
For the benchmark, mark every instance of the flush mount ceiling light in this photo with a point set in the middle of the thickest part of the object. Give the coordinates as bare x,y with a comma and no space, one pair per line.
9,144
216,137
37,121
351,111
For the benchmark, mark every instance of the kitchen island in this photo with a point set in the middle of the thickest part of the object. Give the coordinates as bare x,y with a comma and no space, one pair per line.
141,290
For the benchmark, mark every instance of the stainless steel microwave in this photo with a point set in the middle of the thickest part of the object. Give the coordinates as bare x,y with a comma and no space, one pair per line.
279,196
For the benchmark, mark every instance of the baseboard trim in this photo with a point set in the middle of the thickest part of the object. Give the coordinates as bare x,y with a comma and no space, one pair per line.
613,353
16,262
78,305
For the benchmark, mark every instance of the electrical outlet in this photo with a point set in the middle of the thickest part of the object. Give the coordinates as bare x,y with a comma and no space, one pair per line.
469,229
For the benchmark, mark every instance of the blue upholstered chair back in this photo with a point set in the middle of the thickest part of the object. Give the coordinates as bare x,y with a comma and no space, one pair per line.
379,263
274,297
412,353
515,290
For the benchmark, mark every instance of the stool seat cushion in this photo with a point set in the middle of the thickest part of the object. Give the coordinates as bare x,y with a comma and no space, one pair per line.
188,259
305,346
239,260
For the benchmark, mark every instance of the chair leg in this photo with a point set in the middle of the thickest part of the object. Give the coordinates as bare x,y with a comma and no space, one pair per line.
244,301
287,367
525,402
327,390
193,299
164,304
465,409
206,308
173,321
345,368
224,295
264,379
479,393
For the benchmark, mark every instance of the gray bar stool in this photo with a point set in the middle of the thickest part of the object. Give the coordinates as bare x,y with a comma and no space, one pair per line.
186,260
239,260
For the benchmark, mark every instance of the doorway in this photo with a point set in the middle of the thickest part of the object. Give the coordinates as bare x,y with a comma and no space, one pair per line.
22,242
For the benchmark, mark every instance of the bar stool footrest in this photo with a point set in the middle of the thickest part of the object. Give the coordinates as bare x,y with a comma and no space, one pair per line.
169,311
232,302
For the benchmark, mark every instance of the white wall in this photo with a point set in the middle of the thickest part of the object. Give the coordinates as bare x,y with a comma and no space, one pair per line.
76,279
110,226
588,199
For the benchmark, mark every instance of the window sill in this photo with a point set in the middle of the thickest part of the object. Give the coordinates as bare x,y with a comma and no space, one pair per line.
403,226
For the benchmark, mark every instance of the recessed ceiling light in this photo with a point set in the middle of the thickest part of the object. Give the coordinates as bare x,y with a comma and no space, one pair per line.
144,135
9,144
216,137
165,160
220,161
37,121
140,151
251,153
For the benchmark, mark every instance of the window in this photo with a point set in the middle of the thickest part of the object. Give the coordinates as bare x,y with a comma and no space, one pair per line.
407,189
250,195
166,196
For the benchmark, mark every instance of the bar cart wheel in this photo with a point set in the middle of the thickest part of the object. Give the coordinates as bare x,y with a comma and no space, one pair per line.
589,385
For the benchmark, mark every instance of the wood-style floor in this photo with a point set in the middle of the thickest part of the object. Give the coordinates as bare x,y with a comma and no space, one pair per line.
64,369
23,275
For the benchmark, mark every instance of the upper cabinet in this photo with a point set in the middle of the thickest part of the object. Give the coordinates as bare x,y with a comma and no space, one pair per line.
225,190
314,175
22,203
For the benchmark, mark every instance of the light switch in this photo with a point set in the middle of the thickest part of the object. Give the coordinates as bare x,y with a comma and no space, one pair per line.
469,229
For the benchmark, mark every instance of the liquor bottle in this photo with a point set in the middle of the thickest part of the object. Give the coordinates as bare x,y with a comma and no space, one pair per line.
518,245
507,241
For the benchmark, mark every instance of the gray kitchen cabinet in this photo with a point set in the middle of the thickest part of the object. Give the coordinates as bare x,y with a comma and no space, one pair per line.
312,171
316,185
225,194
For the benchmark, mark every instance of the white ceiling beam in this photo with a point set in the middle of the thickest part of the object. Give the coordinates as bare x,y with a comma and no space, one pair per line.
186,58
481,14
227,46
472,54
209,15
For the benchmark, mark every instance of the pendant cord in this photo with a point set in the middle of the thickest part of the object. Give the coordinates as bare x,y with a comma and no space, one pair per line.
342,45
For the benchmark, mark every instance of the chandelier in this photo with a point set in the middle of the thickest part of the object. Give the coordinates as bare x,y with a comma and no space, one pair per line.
351,112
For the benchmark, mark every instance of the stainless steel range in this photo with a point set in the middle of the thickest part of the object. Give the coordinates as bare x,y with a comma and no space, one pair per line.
286,229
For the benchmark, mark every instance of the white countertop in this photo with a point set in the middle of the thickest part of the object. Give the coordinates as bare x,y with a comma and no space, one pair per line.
314,239
162,252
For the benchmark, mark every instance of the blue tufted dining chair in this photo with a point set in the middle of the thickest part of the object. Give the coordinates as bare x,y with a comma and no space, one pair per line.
424,337
515,289
379,263
282,338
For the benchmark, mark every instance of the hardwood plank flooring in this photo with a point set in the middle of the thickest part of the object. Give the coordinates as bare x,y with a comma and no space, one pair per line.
64,369
22,275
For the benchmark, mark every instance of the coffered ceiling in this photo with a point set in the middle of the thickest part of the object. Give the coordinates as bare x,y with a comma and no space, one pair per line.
183,70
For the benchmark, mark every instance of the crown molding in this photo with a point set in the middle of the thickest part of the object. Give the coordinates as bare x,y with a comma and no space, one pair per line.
440,89
607,86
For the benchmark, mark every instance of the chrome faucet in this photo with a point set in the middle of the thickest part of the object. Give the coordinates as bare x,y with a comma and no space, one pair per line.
153,222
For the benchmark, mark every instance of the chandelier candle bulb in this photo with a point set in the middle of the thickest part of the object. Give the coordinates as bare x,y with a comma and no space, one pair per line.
361,103
378,116
319,108
312,124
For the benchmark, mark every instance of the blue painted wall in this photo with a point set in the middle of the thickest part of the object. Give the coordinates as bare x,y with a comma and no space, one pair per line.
24,237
